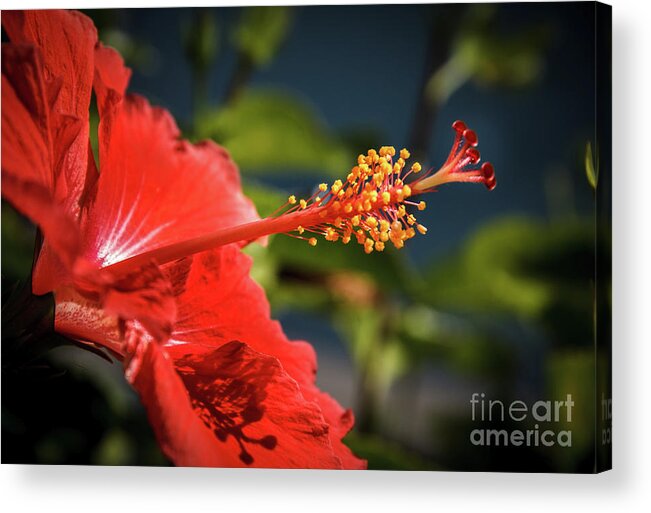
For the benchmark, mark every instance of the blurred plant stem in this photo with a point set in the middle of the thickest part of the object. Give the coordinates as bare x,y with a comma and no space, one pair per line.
240,77
257,39
441,35
201,44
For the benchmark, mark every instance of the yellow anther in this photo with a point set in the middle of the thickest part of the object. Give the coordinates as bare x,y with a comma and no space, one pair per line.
354,220
359,235
402,211
422,229
323,187
303,203
300,230
318,200
361,159
312,241
336,187
399,195
404,154
291,199
331,235
368,245
410,232
384,225
416,167
379,246
384,236
345,239
396,226
422,205
348,208
406,191
371,221
386,197
411,219
396,168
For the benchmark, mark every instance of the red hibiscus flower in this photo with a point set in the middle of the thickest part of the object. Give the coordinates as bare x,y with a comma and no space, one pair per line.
143,256
221,383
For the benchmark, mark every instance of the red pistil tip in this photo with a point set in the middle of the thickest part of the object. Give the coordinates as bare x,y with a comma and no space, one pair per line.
370,205
461,164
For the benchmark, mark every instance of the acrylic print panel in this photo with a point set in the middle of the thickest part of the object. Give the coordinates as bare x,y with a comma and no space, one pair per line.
202,207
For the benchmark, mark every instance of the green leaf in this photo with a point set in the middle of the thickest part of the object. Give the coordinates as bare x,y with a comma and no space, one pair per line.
591,172
270,131
261,32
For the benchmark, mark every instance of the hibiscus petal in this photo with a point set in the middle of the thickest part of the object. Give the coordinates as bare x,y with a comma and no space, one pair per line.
181,434
49,66
28,133
111,77
254,411
220,302
155,189
26,143
144,295
66,42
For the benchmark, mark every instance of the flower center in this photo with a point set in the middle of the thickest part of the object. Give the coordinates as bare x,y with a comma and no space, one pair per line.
373,206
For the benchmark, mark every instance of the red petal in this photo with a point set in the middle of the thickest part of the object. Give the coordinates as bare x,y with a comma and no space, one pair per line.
36,202
84,320
26,144
144,295
155,189
111,77
66,42
49,65
182,436
28,132
220,303
254,410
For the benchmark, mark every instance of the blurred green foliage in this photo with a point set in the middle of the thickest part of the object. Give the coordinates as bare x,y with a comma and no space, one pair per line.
488,56
271,131
19,235
261,32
